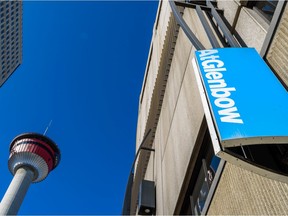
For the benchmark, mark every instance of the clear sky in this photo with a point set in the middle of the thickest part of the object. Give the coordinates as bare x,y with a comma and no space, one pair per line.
83,66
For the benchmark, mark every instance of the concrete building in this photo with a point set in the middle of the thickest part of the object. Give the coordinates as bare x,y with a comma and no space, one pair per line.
10,38
175,149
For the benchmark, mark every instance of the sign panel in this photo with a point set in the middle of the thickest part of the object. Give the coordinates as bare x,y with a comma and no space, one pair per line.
248,104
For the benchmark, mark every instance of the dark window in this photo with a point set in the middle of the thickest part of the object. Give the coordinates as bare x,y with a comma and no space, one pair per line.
264,8
201,179
273,157
203,184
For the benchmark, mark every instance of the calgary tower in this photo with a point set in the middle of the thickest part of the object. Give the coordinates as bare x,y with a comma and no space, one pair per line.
32,157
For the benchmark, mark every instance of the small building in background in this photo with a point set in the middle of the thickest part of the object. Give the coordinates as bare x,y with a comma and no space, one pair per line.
10,38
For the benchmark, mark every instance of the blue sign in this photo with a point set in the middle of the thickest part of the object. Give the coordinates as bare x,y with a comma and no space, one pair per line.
246,99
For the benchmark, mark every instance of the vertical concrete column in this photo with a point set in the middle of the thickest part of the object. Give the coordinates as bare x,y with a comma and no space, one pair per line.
16,191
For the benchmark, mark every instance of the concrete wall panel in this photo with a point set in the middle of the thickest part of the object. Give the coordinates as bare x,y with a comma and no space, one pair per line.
180,118
241,192
196,27
278,53
152,70
181,139
174,83
249,28
230,8
158,172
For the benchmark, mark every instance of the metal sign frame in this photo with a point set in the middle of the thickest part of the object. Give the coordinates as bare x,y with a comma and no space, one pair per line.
221,146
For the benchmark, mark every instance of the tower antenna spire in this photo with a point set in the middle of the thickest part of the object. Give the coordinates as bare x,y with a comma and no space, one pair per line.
47,127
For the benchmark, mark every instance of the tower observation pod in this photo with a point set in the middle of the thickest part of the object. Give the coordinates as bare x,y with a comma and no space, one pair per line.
32,157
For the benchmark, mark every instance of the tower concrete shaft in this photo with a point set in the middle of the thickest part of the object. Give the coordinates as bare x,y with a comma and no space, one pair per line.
16,191
32,157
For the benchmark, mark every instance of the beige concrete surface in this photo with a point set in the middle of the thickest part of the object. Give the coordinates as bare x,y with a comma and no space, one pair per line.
230,8
241,192
278,53
251,31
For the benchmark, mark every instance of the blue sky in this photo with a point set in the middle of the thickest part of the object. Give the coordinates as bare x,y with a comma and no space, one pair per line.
83,66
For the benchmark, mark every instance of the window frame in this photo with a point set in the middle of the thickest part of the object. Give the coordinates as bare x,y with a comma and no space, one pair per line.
258,7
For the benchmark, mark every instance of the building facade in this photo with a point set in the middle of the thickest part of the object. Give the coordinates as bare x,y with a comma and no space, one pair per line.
10,38
175,149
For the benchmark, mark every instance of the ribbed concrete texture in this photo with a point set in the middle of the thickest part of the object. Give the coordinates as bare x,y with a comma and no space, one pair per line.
15,194
241,192
278,52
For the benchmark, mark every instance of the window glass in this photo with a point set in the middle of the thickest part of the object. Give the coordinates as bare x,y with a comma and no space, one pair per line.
201,179
267,8
264,8
203,184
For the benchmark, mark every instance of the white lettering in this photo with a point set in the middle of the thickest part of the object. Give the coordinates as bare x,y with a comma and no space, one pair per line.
207,52
221,92
209,57
213,68
224,102
214,75
221,83
230,115
212,64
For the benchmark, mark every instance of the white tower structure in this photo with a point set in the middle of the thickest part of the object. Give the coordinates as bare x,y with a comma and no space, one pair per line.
32,157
